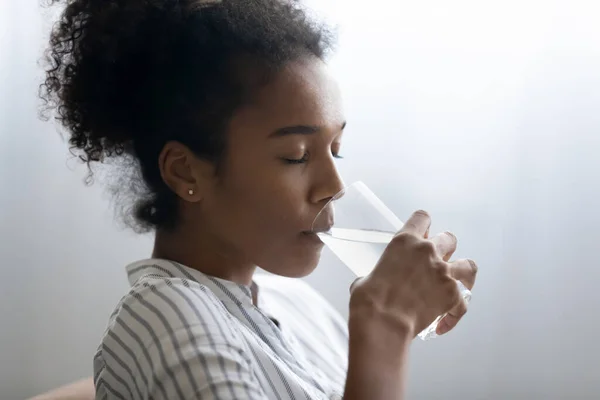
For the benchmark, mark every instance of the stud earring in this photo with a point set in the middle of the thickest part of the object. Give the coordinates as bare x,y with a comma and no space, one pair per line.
191,192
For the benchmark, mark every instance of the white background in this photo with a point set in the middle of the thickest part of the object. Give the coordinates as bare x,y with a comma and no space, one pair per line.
485,113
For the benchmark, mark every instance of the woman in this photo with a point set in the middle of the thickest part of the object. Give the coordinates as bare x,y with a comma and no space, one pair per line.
227,117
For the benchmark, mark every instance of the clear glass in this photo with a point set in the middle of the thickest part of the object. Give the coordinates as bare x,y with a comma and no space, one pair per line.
357,227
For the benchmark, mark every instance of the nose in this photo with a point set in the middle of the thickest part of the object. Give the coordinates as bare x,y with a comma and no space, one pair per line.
328,183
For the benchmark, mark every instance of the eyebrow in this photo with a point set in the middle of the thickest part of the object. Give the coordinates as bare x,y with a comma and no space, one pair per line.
299,130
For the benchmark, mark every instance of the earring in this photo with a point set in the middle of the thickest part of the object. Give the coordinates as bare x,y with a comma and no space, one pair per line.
191,192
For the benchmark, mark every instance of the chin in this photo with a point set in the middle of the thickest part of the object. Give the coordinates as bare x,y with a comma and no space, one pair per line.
297,266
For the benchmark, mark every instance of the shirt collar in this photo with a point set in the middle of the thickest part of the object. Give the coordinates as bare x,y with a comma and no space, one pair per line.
228,292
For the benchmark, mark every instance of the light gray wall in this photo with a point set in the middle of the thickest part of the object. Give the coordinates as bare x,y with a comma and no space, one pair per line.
484,113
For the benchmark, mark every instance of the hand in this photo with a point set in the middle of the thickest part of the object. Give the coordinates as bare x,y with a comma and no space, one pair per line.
462,270
413,281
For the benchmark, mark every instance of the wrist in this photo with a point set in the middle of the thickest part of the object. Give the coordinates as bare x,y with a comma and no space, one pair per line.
368,313
378,352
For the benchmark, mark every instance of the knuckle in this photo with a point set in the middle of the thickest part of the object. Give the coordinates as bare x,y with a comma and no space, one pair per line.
425,248
402,239
442,268
474,267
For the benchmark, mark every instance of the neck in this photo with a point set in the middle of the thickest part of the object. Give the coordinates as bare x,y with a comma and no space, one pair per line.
204,253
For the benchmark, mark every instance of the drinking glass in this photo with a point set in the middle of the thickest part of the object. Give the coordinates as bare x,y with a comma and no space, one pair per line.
357,227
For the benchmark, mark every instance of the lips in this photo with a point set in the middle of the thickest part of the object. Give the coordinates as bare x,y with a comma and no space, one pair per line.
317,231
324,220
321,229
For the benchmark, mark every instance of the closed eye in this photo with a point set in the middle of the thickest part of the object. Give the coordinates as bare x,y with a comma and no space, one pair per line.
297,160
294,161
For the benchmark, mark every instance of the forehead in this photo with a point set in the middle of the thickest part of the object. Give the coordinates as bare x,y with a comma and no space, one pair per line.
301,93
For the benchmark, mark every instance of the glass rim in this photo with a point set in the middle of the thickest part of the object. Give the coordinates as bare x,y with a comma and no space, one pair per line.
368,195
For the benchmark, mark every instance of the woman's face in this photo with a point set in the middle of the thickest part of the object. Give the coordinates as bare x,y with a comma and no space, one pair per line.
278,172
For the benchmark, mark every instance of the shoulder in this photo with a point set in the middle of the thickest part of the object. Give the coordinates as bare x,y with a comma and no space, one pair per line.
168,337
159,306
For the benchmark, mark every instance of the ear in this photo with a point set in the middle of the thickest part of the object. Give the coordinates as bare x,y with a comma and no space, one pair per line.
186,174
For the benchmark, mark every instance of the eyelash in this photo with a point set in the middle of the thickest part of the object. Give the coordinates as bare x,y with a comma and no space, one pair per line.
305,159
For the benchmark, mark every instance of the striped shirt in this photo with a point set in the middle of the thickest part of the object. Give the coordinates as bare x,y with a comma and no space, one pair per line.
180,334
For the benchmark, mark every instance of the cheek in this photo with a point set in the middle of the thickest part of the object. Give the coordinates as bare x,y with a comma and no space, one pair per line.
273,212
262,217
261,207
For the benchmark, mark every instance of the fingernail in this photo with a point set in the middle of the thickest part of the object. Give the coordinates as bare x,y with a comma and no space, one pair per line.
353,284
452,235
442,327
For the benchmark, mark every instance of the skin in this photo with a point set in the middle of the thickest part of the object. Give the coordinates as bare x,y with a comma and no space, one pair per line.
80,390
409,287
258,208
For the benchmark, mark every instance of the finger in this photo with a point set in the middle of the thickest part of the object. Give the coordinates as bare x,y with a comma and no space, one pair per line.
445,244
450,320
464,271
418,223
353,284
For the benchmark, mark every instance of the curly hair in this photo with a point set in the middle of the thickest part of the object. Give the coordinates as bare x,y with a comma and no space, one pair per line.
124,77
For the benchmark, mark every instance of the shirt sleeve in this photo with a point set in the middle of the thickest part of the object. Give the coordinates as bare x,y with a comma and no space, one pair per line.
172,341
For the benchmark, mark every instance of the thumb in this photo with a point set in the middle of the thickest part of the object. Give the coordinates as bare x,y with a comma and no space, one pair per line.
354,283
